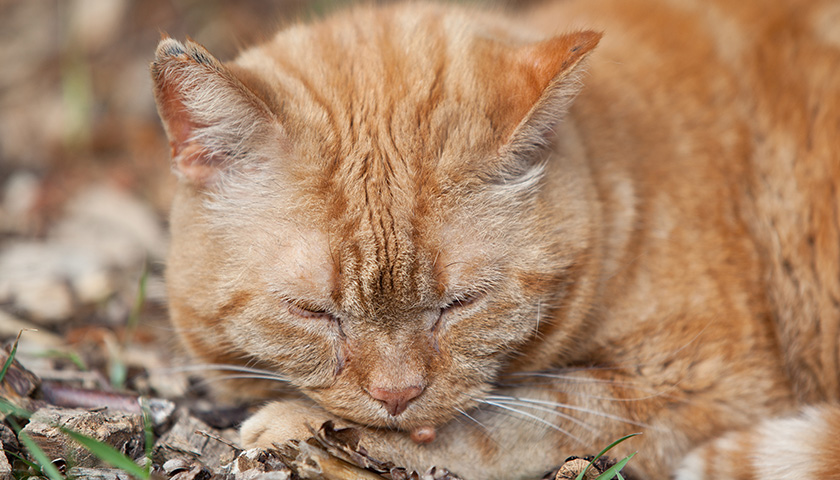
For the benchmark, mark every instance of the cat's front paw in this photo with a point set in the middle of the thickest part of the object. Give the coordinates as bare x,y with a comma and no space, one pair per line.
279,422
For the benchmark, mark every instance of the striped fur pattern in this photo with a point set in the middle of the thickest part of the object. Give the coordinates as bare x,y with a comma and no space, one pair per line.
495,240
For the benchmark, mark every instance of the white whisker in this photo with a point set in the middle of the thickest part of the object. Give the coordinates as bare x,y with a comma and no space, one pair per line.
269,375
551,411
639,386
209,381
478,423
248,377
533,417
571,407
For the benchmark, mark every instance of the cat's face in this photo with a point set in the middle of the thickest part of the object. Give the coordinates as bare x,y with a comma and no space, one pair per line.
362,207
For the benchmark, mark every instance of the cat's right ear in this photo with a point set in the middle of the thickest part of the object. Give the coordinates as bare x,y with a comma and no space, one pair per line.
553,68
212,120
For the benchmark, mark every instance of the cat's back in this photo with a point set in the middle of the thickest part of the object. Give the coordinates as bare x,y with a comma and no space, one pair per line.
755,85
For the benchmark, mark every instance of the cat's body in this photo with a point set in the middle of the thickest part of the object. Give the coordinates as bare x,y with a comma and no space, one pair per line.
398,211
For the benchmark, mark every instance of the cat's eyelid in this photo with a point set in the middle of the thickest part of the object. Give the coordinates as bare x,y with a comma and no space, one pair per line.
463,300
307,311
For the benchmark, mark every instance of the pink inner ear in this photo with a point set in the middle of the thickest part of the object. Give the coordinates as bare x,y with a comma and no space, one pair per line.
195,163
189,159
179,126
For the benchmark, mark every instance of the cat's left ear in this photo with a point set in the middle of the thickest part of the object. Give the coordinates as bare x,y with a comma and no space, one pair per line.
551,69
213,121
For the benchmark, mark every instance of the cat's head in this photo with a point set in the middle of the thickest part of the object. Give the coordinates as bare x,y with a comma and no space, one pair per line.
366,206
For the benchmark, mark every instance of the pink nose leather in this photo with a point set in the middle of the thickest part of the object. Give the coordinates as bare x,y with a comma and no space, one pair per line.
396,401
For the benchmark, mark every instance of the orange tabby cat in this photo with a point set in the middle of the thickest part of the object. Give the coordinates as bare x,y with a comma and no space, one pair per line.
402,214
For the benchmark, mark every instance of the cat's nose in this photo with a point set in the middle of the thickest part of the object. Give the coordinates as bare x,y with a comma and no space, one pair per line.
396,401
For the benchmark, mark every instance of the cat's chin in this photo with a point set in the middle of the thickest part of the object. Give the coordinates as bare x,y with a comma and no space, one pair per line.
405,422
416,416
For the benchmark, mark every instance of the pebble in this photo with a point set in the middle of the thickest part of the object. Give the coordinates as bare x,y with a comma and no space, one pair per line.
45,300
104,231
20,193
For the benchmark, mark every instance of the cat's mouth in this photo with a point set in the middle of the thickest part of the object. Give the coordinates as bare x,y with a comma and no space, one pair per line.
413,410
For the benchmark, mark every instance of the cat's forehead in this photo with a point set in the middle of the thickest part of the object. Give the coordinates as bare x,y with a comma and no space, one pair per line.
390,113
414,78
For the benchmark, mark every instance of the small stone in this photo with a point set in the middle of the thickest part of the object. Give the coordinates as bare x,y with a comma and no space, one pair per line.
92,286
121,229
19,196
32,340
160,410
121,430
36,277
46,300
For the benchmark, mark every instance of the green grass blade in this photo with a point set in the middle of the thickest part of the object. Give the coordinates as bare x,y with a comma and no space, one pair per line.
117,372
71,356
41,458
148,429
11,357
8,408
29,464
602,452
46,466
613,471
108,454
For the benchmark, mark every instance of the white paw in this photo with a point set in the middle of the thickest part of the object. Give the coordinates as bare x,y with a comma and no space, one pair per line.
279,422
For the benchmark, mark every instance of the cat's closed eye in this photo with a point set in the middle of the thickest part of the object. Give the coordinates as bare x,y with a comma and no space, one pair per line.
308,311
462,301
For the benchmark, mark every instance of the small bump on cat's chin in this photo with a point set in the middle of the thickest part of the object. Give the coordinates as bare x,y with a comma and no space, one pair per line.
423,435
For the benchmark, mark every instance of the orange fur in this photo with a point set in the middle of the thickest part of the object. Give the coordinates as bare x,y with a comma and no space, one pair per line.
407,199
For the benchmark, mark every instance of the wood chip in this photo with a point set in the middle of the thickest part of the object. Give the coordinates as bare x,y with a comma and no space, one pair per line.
182,439
18,383
121,430
98,473
316,463
5,467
